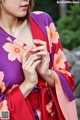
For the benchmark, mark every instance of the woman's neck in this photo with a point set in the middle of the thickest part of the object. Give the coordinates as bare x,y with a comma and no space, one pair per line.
8,22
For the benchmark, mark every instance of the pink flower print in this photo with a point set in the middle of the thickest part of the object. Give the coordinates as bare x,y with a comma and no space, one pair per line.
20,44
9,39
48,34
53,35
1,76
13,87
38,12
15,50
49,107
3,105
65,72
59,60
39,113
2,84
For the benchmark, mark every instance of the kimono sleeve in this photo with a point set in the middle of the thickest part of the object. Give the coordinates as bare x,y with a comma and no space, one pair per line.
64,80
13,106
58,60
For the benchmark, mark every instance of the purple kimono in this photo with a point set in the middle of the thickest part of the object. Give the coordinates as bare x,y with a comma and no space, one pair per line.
44,102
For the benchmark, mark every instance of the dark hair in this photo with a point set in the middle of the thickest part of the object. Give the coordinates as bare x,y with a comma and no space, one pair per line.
31,5
30,8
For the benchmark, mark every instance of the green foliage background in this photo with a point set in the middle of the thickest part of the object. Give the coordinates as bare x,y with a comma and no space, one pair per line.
68,26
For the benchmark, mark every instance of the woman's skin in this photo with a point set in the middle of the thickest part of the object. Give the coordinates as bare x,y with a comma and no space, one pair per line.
36,63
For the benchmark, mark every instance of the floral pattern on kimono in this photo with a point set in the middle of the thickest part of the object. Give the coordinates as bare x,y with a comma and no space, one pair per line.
11,75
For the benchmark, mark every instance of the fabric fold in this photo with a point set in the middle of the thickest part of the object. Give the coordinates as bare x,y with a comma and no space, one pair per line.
19,108
68,108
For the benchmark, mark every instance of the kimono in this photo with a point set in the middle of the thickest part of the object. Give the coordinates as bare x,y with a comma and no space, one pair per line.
44,102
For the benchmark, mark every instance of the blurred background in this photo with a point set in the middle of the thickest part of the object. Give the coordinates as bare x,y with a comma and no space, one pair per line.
66,16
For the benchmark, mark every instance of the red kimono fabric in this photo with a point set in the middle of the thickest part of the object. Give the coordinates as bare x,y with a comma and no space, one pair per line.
44,102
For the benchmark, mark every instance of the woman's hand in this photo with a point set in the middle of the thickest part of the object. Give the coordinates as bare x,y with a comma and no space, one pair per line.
41,50
43,67
29,63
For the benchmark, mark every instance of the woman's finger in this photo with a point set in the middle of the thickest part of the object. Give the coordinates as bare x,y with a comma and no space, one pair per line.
24,57
34,65
39,48
31,60
42,53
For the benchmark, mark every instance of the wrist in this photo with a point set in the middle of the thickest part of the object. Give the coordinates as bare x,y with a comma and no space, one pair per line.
47,73
26,88
49,77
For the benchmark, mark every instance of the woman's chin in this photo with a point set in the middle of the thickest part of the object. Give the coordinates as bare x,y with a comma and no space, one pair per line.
22,15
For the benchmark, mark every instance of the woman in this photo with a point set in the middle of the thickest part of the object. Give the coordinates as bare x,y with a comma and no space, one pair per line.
35,81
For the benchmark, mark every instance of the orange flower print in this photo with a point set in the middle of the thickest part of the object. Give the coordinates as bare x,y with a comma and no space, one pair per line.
52,33
59,60
3,105
2,84
15,49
